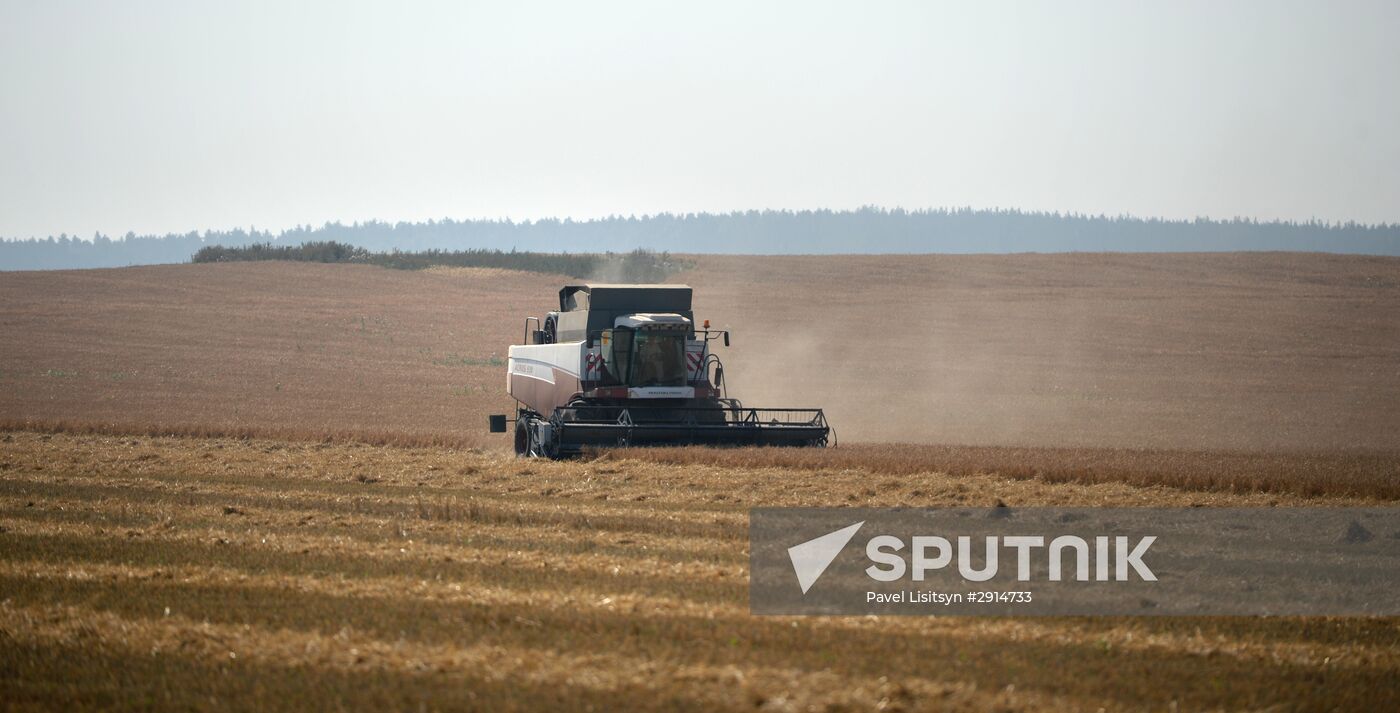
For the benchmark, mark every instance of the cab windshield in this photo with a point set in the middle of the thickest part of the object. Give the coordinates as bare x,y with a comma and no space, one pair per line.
649,358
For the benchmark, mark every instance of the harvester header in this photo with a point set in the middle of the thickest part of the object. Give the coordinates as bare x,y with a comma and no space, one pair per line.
625,365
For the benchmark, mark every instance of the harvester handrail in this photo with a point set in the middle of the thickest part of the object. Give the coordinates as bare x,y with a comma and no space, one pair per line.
743,416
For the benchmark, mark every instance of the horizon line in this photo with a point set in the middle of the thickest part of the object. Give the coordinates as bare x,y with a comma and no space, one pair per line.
508,220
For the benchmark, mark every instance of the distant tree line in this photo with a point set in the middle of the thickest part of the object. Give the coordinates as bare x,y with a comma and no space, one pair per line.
866,230
320,251
635,266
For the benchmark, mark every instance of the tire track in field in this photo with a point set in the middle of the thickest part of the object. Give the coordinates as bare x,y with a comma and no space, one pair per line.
482,593
349,650
487,508
449,526
293,554
1078,672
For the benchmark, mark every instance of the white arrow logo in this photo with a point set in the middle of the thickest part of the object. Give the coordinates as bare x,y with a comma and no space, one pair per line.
812,557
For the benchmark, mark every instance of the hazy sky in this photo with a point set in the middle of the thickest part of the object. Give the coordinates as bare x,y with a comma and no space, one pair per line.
172,116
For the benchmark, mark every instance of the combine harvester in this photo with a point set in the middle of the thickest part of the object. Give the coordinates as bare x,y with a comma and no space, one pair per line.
624,365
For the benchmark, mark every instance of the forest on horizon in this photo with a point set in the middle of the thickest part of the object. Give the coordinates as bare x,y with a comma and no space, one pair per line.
866,230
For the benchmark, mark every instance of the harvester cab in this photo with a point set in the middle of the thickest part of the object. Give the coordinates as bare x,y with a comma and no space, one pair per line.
625,365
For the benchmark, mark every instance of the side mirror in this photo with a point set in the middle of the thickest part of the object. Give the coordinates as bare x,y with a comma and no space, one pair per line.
719,376
726,338
498,422
588,343
538,336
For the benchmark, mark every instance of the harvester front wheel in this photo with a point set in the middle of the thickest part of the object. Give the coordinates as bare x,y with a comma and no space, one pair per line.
522,437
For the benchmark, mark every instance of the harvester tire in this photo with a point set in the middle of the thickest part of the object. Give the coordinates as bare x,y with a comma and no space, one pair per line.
522,437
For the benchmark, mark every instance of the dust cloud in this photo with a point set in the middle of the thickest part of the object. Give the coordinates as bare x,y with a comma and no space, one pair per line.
1166,351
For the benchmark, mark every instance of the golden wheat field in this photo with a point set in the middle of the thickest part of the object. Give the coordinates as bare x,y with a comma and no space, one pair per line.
186,573
269,485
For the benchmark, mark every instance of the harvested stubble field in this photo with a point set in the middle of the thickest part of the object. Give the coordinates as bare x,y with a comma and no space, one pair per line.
1359,474
318,570
198,573
295,350
1240,352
